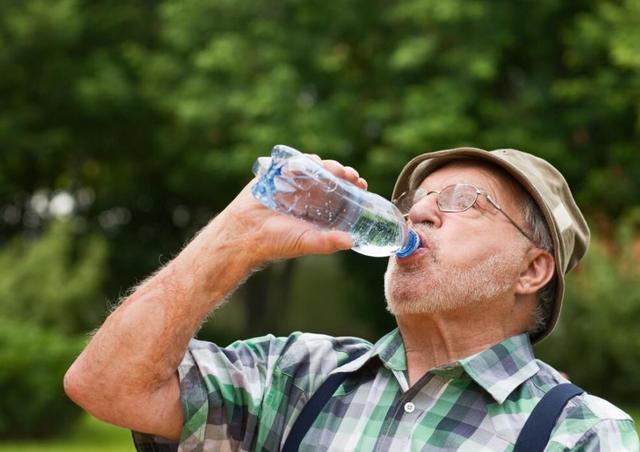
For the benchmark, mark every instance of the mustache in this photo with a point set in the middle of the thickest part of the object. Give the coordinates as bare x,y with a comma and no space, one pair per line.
426,232
428,239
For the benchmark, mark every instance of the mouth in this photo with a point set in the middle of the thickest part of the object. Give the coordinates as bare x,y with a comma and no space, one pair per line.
423,239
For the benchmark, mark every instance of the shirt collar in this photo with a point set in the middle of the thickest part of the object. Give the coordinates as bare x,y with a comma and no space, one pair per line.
498,370
390,350
503,367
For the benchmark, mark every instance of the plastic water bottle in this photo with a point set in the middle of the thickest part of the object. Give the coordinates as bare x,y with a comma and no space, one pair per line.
291,182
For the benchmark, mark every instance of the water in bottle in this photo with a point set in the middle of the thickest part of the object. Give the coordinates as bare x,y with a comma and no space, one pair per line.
293,183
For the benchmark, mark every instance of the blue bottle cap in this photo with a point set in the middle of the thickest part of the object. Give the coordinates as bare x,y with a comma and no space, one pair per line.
412,244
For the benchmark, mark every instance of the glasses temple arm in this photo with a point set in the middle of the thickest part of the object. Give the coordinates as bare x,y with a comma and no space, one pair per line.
508,217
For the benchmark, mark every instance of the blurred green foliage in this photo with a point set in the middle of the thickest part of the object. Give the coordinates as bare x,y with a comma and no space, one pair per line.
137,122
53,282
32,364
597,341
46,288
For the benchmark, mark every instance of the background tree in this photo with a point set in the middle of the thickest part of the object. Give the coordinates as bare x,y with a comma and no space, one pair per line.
138,122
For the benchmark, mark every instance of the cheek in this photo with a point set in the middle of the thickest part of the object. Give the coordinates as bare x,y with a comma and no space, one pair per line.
456,247
469,241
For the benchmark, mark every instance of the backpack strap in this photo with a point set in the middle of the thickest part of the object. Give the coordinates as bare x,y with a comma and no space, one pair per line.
311,410
536,432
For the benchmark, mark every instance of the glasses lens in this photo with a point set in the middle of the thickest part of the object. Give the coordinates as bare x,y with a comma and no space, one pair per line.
405,202
456,198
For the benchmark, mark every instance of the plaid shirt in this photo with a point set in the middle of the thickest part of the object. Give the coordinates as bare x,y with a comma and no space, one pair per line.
248,395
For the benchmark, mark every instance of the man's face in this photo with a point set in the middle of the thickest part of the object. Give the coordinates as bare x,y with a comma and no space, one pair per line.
468,257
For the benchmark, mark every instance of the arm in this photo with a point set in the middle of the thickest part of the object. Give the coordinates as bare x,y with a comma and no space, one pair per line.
127,373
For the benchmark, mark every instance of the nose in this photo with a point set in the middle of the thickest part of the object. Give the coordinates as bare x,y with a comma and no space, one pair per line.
426,211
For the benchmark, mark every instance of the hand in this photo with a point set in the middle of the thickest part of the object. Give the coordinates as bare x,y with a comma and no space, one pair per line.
266,235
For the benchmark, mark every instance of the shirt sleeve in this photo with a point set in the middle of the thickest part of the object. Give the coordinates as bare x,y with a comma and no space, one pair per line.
610,435
245,396
221,391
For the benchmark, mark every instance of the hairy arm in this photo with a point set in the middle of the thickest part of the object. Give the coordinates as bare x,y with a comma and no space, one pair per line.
127,373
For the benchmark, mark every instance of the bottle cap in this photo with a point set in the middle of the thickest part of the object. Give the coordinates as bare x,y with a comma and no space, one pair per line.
412,244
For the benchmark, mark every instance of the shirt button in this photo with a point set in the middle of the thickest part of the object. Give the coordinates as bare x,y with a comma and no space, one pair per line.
409,407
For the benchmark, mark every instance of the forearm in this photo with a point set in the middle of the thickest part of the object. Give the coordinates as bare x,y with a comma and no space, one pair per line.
139,347
127,373
157,321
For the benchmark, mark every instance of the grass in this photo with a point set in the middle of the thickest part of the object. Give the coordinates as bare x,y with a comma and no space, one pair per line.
89,434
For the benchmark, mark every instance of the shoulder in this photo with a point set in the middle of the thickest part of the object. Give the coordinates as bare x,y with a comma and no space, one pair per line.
588,410
592,423
322,343
585,405
588,421
284,352
601,409
320,353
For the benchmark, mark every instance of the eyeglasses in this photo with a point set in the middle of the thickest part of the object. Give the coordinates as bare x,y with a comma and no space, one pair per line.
452,198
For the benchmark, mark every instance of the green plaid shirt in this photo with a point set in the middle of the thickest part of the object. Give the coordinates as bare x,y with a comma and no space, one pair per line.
248,395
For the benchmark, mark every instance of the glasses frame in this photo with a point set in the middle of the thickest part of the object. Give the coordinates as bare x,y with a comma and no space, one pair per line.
424,193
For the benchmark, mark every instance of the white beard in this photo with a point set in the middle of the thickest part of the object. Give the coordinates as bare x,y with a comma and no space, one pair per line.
429,286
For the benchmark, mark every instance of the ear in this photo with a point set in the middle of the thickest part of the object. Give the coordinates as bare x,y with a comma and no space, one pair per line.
539,271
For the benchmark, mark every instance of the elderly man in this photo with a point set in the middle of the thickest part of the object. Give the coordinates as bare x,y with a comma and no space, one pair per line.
498,229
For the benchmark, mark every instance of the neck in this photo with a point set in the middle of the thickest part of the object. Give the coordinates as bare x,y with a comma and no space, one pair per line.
434,339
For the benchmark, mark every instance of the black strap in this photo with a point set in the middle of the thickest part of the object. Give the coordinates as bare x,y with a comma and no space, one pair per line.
536,432
311,411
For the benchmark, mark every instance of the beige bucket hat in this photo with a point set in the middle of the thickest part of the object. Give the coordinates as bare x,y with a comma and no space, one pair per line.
547,187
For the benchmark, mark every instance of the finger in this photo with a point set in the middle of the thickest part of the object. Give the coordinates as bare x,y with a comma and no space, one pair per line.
331,241
362,183
344,172
355,178
341,171
352,170
351,175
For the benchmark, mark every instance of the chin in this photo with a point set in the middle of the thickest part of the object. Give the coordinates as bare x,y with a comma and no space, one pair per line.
411,305
407,295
